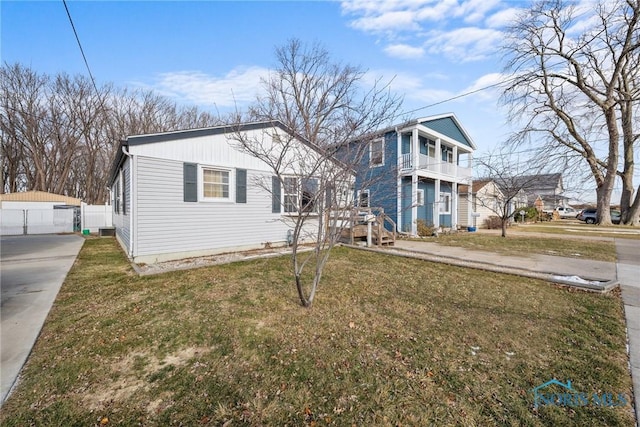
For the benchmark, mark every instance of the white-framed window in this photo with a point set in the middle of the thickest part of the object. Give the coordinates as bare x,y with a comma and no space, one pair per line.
431,148
376,153
420,197
447,154
445,203
216,183
363,199
117,193
298,195
290,194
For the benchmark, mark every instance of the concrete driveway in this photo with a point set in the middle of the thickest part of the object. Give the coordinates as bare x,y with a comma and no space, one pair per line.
32,269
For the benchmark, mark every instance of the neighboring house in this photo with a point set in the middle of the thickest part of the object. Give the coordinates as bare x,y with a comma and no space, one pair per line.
548,188
413,171
196,193
487,199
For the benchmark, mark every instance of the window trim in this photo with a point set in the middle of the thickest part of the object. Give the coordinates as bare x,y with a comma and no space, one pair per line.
358,199
295,193
445,196
371,151
299,194
230,198
420,197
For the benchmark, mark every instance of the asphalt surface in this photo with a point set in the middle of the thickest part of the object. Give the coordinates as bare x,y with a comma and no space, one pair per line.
628,252
32,269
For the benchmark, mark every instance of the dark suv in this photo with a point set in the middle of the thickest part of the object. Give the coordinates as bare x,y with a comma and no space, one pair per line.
589,216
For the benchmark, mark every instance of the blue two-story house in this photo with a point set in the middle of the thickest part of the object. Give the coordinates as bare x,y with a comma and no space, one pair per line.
413,171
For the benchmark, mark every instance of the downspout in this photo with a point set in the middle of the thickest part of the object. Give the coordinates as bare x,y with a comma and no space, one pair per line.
131,210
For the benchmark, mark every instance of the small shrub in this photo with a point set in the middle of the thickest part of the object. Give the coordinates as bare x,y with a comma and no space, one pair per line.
493,223
424,229
531,214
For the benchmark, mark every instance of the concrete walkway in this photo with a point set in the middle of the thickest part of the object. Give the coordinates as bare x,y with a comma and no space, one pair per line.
32,269
626,273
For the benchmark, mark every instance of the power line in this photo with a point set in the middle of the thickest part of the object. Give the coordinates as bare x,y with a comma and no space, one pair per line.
84,57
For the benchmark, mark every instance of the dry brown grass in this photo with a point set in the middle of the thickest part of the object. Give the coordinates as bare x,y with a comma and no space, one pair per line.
390,341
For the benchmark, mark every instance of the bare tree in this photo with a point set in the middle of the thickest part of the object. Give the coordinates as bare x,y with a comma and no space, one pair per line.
508,181
58,134
574,86
325,104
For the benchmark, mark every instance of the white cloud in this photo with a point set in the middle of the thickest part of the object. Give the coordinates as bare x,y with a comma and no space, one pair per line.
465,44
394,21
404,51
239,86
413,20
502,18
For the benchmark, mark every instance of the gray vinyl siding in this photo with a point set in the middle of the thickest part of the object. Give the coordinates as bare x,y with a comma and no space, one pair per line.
168,225
122,221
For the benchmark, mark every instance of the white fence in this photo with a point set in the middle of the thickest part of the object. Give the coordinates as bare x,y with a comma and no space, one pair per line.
55,219
95,217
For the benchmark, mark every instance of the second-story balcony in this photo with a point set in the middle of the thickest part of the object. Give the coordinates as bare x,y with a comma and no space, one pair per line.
428,164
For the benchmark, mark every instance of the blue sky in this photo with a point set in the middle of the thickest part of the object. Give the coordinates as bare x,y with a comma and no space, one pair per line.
213,53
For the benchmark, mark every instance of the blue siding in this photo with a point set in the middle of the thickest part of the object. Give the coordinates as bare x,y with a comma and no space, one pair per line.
405,207
381,181
448,127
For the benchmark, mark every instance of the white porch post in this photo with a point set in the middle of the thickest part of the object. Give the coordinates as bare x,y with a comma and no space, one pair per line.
437,203
454,206
399,224
415,151
439,160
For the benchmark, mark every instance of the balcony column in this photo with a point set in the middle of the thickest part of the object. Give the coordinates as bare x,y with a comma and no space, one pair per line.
415,150
455,161
438,159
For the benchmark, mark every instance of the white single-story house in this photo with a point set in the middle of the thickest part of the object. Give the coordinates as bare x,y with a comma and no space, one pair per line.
197,192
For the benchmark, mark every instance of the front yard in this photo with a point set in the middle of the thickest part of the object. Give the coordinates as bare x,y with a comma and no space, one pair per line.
390,341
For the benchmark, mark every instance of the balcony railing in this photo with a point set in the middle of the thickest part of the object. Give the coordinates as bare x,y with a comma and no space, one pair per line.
430,164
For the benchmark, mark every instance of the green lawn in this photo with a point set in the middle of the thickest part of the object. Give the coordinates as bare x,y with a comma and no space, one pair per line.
390,341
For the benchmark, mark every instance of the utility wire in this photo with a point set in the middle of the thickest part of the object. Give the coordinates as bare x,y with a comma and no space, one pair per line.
84,57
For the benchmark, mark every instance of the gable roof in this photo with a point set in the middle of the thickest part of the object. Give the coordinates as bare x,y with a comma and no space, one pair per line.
475,186
549,181
134,140
449,125
446,124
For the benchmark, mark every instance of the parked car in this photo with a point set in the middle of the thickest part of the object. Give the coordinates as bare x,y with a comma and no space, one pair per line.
566,212
589,216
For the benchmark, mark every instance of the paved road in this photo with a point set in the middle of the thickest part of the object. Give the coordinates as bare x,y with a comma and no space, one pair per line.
32,269
628,252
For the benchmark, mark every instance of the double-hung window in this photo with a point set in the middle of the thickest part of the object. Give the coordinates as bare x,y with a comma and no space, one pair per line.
363,199
290,194
376,153
445,203
215,183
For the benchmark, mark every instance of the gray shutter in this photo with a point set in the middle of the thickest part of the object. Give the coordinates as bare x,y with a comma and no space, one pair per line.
328,201
241,186
275,194
190,180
